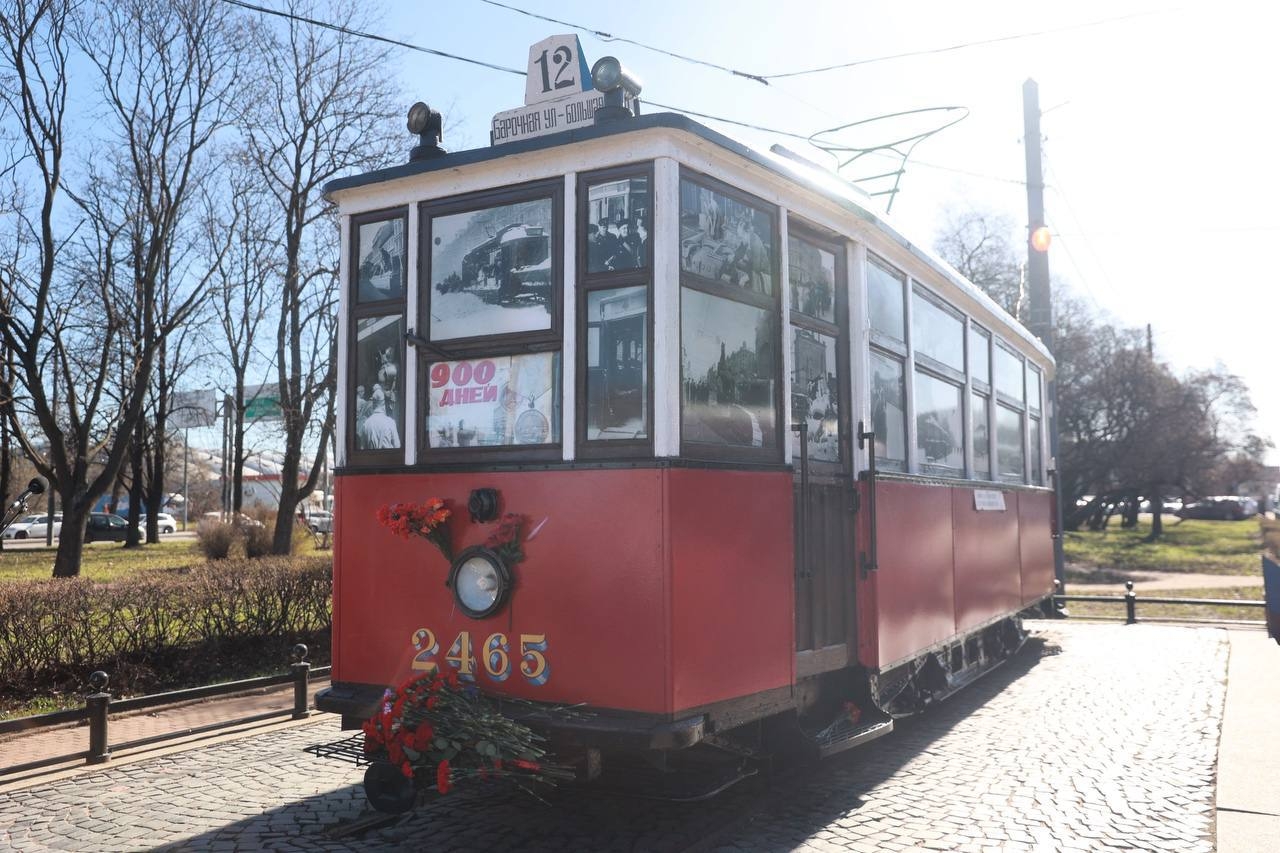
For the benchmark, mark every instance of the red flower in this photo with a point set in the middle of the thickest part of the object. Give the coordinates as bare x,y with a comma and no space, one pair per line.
526,765
407,769
442,776
422,736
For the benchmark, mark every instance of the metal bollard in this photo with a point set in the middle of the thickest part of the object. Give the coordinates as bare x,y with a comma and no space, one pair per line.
98,706
1130,604
301,672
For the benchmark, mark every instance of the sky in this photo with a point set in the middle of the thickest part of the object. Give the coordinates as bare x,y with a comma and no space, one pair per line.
1159,127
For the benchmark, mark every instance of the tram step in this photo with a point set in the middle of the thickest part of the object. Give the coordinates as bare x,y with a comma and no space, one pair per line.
838,738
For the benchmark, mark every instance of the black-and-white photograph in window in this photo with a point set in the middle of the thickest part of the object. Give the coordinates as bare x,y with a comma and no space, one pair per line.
815,393
380,260
493,402
813,279
377,408
725,240
617,372
618,225
492,271
728,363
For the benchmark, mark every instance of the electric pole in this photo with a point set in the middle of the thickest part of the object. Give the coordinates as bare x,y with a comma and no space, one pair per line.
1040,315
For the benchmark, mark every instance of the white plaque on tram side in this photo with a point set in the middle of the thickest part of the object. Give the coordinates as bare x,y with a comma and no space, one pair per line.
988,500
557,69
535,120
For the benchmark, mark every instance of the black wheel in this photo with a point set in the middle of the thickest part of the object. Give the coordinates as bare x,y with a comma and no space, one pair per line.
21,534
387,789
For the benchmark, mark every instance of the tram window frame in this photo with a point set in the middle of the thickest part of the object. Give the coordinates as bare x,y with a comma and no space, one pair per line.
498,345
589,283
373,310
935,365
825,241
770,303
1035,415
1003,399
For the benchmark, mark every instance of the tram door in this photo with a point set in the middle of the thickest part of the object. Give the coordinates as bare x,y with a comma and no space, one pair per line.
823,487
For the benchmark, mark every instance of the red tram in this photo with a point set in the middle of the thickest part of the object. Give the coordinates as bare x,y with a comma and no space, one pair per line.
772,456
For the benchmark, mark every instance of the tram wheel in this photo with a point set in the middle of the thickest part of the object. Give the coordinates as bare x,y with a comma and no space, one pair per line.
387,789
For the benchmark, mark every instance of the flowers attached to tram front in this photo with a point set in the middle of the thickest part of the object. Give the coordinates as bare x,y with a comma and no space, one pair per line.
428,520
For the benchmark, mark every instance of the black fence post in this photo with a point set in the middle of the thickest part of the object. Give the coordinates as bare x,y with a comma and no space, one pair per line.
1130,604
301,669
98,706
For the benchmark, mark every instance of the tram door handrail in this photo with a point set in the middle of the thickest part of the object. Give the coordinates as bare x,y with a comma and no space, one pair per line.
803,429
870,561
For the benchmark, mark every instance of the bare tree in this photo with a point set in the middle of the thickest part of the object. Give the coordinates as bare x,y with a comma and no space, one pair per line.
978,244
330,109
79,310
244,283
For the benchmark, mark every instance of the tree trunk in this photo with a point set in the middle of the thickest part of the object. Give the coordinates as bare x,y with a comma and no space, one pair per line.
1157,520
75,518
133,539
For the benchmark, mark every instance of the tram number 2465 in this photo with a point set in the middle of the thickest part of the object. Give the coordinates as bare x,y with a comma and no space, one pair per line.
494,656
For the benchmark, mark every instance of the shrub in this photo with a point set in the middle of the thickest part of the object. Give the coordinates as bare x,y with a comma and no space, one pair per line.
215,539
257,540
57,631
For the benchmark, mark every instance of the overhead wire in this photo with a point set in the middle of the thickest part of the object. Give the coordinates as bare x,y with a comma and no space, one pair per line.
520,72
1058,190
765,78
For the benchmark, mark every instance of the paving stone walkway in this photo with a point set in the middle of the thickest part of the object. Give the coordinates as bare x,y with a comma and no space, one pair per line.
1097,737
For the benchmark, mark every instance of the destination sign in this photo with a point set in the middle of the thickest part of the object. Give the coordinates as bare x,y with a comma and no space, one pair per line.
535,120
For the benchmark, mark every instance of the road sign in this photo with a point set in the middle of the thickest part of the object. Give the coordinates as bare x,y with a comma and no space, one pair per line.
193,409
262,402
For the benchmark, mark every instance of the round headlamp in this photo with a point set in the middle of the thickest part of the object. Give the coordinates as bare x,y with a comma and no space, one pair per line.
480,581
608,75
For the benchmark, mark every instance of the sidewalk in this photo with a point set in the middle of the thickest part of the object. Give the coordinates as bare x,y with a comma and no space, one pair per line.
176,720
1249,751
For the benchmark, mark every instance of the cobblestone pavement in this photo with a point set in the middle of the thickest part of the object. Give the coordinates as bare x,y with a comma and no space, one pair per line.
1096,737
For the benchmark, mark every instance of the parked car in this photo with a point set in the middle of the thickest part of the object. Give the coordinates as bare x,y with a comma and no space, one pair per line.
165,522
19,528
319,521
239,519
39,529
1220,508
105,527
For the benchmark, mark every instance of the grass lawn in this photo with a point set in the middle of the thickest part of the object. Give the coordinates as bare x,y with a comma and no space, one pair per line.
1115,610
1207,547
103,561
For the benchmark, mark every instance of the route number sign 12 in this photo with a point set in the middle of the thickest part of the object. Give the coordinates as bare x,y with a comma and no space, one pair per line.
556,68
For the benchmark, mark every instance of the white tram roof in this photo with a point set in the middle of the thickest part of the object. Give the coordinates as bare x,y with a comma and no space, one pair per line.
701,148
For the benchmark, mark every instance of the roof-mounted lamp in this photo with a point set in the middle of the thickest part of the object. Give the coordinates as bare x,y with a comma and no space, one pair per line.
428,125
612,80
1040,238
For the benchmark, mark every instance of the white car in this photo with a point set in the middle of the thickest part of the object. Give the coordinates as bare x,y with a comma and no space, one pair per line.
19,528
165,522
39,528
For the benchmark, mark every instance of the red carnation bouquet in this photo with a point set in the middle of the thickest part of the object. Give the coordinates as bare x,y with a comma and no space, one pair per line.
436,731
505,540
428,520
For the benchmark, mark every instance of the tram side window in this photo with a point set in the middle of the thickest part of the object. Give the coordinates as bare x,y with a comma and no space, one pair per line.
816,280
375,405
730,362
1034,421
1009,444
939,425
489,303
889,411
886,291
981,437
615,259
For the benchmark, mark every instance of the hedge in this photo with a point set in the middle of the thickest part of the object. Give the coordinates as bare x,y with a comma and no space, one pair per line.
56,630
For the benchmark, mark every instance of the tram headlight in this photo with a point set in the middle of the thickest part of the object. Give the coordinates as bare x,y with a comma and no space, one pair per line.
612,80
481,582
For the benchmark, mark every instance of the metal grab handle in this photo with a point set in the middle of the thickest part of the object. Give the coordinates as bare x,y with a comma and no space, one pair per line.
803,429
870,559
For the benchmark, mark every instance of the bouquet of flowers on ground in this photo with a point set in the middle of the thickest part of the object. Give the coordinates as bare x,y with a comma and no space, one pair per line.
427,520
437,731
